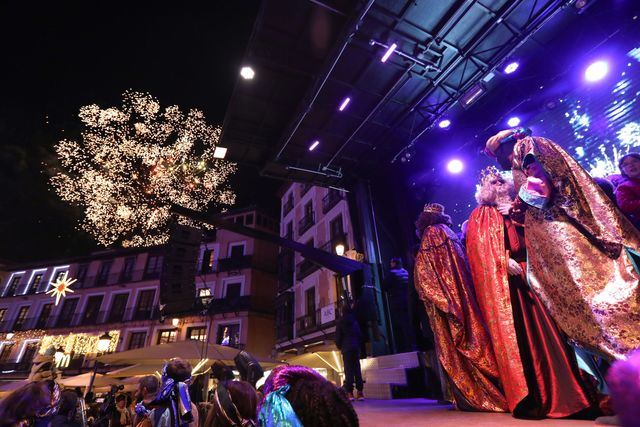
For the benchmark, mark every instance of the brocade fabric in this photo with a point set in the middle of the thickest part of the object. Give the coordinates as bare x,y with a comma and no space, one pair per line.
463,345
576,264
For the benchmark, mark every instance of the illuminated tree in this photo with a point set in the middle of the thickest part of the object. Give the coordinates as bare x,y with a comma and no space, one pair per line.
134,163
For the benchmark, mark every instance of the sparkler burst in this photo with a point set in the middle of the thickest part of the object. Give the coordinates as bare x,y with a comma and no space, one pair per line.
134,162
61,286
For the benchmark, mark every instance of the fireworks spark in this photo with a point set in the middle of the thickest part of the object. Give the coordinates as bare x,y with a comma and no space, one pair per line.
61,286
134,162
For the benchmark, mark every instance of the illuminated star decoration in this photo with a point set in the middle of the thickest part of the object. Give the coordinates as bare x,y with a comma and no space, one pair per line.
132,163
61,287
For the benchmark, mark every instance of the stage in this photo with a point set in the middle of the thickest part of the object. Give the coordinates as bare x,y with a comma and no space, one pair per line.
424,412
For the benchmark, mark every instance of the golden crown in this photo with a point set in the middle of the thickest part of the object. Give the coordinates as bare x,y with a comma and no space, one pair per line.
489,172
434,208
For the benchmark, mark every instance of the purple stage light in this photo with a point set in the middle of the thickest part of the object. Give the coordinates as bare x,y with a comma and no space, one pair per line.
314,145
444,124
388,53
596,71
344,104
511,67
455,166
513,122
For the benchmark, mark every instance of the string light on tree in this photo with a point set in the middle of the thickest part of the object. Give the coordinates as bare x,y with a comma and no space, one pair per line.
61,286
133,163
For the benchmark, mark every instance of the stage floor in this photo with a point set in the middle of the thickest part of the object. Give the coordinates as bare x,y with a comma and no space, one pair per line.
423,412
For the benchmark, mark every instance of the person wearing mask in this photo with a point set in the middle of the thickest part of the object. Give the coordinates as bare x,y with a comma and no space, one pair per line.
348,341
396,287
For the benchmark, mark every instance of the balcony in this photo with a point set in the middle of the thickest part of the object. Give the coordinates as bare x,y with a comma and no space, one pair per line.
284,331
287,207
330,200
330,246
322,318
285,270
305,223
234,263
230,305
305,268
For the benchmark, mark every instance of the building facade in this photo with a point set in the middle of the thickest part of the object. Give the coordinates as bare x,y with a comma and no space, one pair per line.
309,296
119,291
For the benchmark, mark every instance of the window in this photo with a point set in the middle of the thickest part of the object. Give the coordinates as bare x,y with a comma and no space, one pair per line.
310,298
136,340
11,290
239,220
35,284
197,333
29,353
44,316
118,307
144,307
103,273
6,352
91,312
229,335
154,266
248,219
336,231
233,290
208,261
236,250
66,314
289,232
22,316
127,270
308,209
3,313
59,275
81,275
167,336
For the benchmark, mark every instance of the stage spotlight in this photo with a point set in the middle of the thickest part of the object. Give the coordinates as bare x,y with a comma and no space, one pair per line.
596,71
388,53
455,166
314,145
513,122
247,73
444,124
511,67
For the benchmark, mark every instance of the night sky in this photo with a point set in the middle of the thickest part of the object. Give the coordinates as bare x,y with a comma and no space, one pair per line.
58,56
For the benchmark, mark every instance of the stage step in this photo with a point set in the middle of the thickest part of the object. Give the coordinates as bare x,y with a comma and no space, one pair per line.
385,375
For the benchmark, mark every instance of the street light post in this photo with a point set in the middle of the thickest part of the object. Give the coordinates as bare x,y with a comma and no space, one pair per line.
103,346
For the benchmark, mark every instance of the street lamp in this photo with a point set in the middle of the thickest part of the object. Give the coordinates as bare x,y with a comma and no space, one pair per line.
175,322
339,249
103,342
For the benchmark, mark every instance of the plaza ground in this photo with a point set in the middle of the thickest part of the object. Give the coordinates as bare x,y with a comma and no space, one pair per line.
423,412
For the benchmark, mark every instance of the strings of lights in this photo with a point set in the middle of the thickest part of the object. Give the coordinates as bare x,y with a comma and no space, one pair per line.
78,343
133,163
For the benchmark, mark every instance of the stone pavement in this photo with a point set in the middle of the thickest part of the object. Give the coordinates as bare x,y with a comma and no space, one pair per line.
423,412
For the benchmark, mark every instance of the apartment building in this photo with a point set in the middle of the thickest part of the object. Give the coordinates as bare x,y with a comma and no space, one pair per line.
308,295
118,291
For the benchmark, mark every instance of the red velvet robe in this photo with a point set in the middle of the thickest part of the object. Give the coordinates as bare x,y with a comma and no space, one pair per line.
537,368
462,343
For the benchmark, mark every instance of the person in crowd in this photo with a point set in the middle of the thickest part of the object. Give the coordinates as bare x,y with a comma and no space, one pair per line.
608,188
578,264
348,341
66,416
32,404
530,351
628,190
463,346
396,287
298,396
234,404
145,394
122,416
172,406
